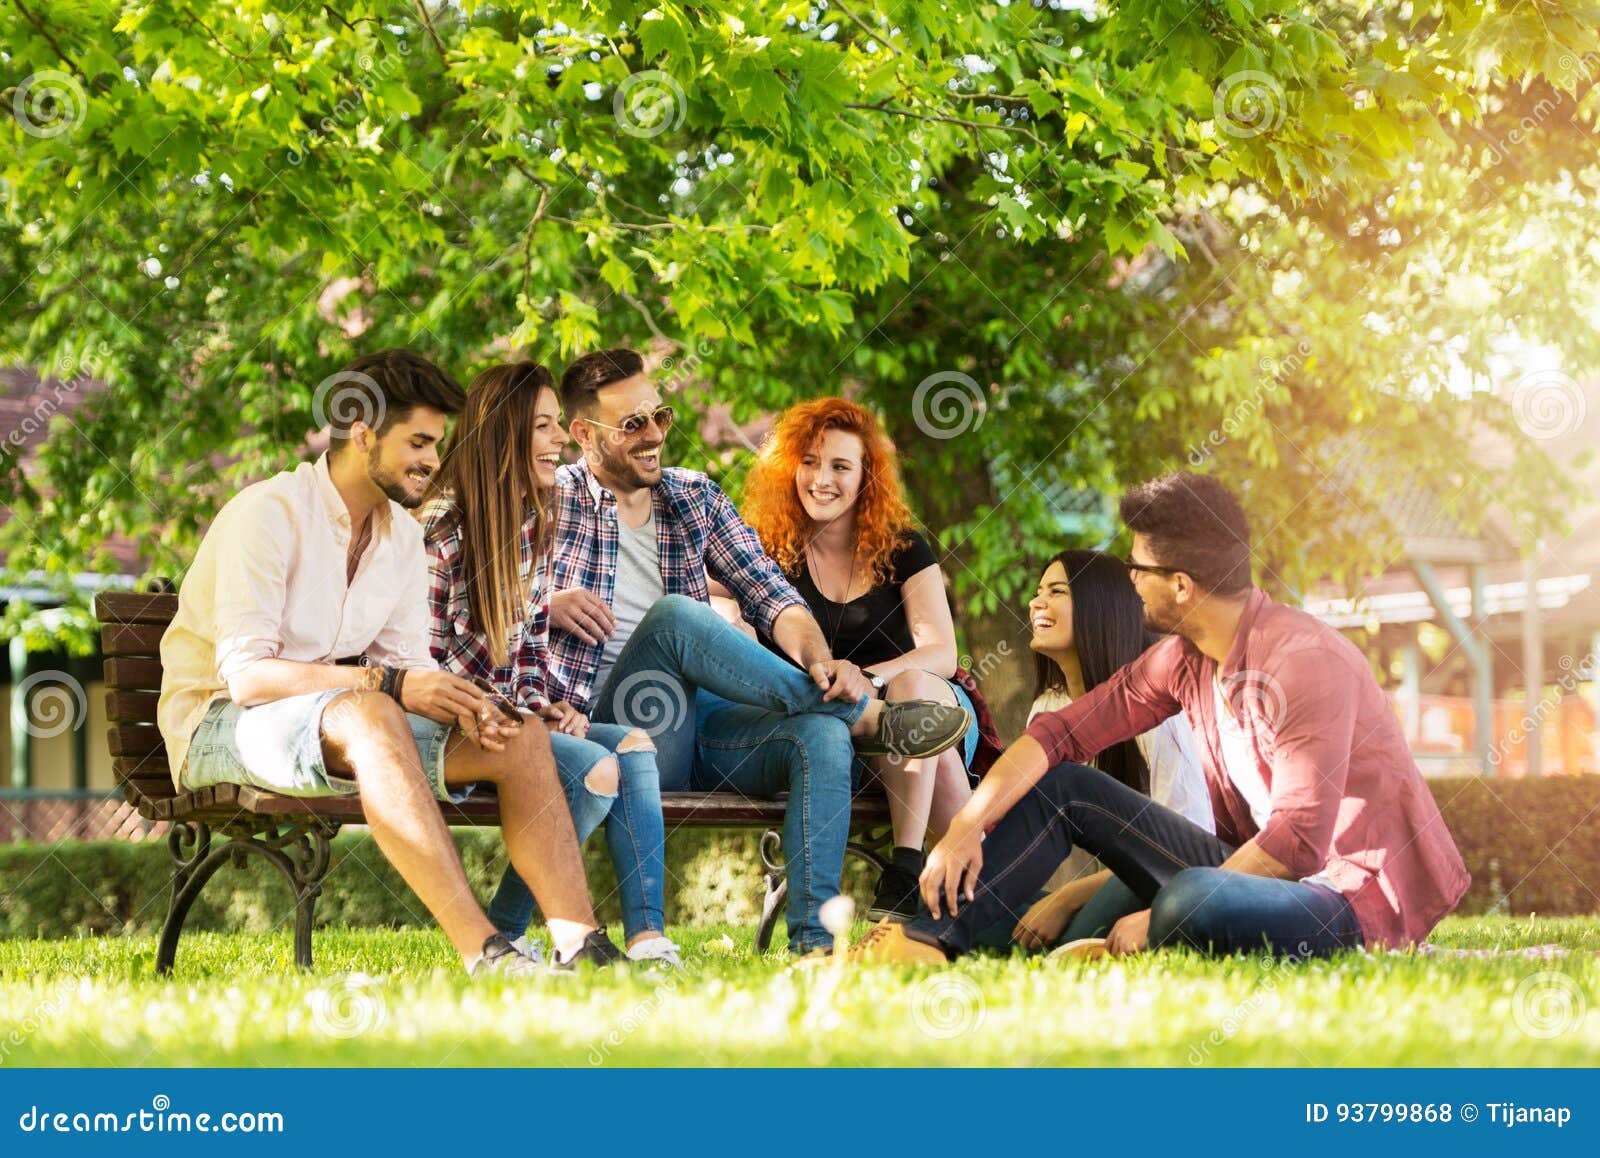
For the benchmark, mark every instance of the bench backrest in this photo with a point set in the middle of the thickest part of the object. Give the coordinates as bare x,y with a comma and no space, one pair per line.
131,626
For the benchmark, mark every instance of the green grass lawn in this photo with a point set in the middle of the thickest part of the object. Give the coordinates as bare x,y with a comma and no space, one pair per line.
383,997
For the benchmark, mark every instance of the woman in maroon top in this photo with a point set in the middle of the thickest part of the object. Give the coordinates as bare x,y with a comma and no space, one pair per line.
1327,837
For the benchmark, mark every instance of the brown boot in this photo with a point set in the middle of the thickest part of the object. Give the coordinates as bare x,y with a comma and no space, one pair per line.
886,943
1083,949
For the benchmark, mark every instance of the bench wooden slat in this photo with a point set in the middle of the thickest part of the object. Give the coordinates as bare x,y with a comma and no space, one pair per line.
133,674
152,784
131,639
135,607
124,707
140,767
136,740
679,809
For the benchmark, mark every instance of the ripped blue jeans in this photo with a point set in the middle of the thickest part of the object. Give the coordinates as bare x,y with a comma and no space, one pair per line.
635,834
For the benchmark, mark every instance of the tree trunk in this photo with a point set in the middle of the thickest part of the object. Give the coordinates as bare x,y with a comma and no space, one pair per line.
993,646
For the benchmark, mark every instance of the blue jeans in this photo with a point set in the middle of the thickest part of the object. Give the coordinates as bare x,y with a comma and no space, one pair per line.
635,836
726,714
760,753
1218,911
1167,861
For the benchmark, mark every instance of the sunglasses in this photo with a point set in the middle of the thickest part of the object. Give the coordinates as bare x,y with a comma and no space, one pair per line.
1151,568
634,424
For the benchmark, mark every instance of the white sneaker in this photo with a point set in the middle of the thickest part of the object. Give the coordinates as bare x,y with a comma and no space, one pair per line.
658,949
532,950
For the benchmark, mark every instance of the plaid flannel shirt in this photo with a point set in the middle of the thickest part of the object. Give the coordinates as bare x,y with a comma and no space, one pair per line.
698,532
454,642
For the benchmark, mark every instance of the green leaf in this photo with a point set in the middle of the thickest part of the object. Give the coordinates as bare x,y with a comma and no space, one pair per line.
664,35
618,275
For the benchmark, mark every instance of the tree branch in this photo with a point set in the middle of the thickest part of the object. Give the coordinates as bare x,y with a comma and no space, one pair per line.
51,40
192,20
880,37
883,107
527,243
649,320
422,11
626,204
989,96
660,226
328,8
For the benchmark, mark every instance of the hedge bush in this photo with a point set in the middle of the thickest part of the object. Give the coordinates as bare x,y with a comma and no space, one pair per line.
73,888
1532,846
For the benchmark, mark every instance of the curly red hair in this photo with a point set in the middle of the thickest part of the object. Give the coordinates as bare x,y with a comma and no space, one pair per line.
772,507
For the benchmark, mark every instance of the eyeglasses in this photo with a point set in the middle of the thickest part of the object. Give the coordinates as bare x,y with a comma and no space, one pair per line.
634,424
1152,568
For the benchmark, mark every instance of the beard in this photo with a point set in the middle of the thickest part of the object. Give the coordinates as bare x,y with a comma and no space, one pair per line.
1168,620
615,462
1162,618
394,483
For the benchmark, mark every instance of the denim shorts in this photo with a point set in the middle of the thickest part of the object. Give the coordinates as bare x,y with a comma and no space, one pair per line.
969,742
277,747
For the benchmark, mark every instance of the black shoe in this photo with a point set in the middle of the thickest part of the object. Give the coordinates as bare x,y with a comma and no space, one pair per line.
899,898
914,729
596,950
502,959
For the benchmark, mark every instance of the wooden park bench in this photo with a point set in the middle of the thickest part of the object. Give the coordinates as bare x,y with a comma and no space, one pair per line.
293,833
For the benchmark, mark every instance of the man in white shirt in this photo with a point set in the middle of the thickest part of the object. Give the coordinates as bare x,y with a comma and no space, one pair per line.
299,663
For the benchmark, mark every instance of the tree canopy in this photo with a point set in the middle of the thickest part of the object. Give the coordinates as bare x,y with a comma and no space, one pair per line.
1060,246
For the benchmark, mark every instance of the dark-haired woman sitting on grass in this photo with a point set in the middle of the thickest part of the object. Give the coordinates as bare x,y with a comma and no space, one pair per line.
1087,622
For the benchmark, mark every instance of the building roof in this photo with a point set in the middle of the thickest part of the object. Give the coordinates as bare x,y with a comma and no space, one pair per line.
28,407
1568,584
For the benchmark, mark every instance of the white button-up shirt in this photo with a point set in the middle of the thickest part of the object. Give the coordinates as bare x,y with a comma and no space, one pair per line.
269,583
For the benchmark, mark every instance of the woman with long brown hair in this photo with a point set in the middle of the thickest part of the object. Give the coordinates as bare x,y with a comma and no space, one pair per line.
825,498
488,538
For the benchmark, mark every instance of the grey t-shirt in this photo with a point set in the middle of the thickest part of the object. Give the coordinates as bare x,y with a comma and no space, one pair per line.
638,587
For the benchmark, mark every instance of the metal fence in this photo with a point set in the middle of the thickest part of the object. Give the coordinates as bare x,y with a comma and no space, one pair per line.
46,817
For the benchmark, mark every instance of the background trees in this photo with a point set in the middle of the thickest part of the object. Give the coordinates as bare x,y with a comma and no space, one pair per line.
1060,246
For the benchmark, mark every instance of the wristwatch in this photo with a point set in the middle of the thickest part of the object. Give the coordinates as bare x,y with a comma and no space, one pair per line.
879,684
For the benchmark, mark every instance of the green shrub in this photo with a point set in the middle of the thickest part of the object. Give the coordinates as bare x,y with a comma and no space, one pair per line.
73,888
1532,846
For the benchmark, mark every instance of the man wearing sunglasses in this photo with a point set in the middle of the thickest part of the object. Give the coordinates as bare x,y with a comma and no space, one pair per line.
1327,837
634,639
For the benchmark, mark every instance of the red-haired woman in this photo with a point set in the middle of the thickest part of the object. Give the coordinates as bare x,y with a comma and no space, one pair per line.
825,498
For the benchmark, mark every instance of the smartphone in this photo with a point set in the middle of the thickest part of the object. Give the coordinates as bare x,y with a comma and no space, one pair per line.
498,699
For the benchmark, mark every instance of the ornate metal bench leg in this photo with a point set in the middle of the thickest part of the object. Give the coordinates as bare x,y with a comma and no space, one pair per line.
189,845
777,887
300,852
309,853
